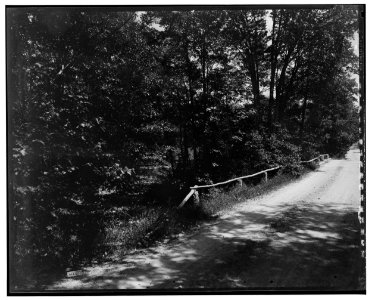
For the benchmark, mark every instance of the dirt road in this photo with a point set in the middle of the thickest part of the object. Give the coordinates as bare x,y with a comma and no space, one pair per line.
304,235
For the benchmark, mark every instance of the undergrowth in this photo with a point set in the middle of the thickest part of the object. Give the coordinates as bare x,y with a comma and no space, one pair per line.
144,230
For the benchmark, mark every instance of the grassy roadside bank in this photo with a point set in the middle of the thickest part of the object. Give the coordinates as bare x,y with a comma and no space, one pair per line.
219,200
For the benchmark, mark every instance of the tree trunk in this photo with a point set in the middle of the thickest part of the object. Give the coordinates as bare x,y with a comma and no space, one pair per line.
303,116
280,89
273,62
192,102
251,65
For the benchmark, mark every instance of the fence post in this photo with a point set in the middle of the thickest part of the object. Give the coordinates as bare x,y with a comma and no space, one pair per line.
265,176
240,182
196,198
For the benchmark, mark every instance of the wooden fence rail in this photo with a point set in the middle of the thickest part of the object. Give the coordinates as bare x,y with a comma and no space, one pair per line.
195,193
320,157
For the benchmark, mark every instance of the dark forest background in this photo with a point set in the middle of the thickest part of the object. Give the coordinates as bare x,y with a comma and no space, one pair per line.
113,115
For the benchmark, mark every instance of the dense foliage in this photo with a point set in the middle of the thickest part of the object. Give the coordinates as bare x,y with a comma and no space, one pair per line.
113,111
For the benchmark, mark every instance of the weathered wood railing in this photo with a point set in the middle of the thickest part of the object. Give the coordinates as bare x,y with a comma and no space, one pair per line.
320,158
194,192
239,179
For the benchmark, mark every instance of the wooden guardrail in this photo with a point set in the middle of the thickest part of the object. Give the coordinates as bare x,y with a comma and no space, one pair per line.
195,193
320,158
196,187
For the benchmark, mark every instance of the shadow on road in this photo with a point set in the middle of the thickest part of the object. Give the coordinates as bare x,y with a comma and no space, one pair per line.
301,252
294,247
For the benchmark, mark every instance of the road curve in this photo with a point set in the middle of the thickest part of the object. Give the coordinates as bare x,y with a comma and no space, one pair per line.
304,236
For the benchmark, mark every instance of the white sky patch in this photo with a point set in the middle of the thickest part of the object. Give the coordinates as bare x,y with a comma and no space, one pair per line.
158,27
355,44
154,25
269,21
